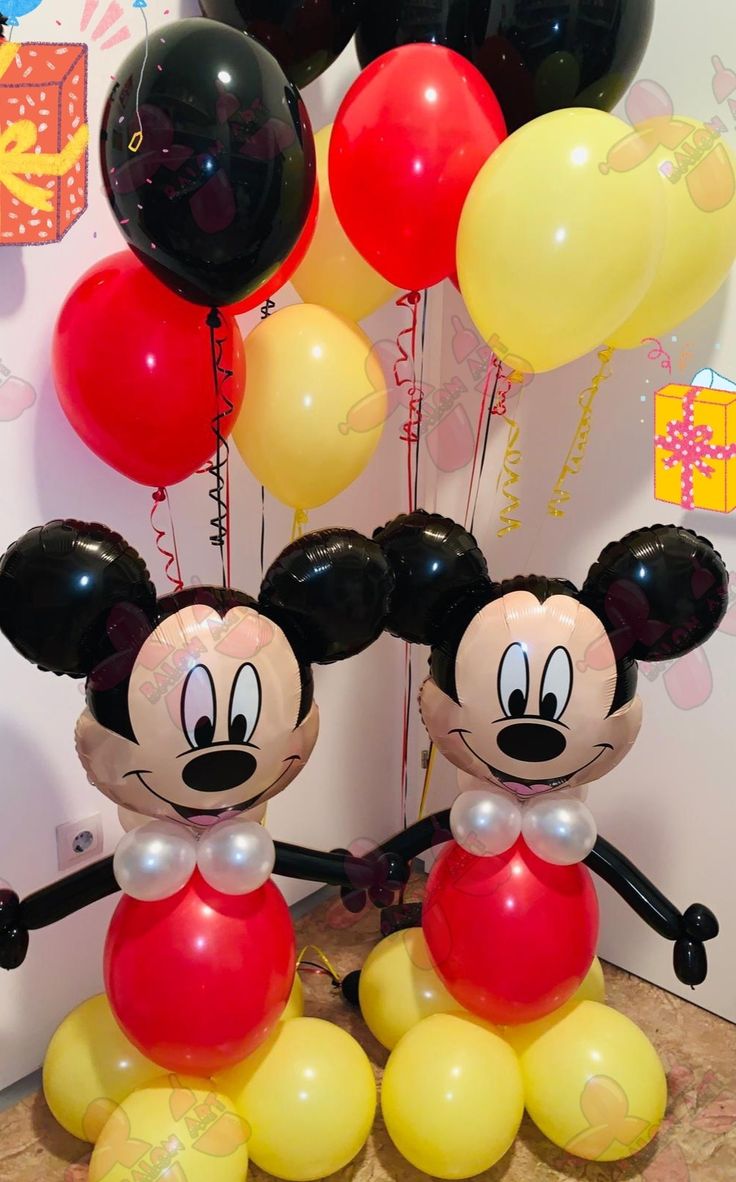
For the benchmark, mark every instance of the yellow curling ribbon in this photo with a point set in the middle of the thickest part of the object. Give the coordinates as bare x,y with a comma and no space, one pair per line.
579,446
509,475
322,957
18,158
301,518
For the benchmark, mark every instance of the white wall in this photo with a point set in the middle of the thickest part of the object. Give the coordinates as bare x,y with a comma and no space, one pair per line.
349,789
671,805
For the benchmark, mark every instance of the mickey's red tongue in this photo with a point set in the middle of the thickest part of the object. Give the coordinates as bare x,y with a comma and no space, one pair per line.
207,819
526,789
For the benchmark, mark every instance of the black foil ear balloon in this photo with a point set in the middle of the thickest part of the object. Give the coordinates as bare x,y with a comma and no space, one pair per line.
329,591
660,591
435,563
305,36
208,160
538,57
60,586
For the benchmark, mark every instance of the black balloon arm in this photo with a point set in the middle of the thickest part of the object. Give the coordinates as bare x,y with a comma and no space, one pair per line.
688,931
635,889
86,886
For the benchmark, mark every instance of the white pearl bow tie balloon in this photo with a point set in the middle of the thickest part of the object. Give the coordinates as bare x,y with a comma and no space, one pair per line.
156,860
486,821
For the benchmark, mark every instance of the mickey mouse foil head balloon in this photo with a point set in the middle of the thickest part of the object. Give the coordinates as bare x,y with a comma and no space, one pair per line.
200,704
532,686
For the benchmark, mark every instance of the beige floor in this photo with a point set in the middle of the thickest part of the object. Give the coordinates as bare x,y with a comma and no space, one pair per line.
696,1144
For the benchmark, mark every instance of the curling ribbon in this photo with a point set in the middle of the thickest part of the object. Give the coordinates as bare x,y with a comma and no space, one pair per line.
322,957
172,556
512,456
301,518
493,364
658,353
410,428
579,446
218,468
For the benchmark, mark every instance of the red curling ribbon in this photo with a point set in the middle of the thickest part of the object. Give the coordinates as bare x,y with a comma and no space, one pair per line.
171,556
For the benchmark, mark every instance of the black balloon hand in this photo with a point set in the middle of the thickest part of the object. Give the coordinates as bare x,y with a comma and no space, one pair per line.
375,876
13,934
690,958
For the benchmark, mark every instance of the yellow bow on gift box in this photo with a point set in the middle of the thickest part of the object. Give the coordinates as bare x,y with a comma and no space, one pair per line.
18,159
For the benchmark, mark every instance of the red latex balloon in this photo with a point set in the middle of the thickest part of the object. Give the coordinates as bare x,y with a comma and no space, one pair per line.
198,980
511,936
284,273
409,139
133,371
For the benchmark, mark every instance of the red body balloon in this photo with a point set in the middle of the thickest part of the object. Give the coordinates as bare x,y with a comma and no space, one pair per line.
198,980
133,371
511,936
409,139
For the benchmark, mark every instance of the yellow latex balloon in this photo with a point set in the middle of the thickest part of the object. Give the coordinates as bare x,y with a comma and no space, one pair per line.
309,1096
452,1096
700,224
332,273
399,987
552,253
592,988
308,368
594,1084
177,1128
295,1004
90,1067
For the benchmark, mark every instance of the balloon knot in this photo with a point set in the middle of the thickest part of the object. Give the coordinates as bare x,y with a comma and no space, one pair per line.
159,495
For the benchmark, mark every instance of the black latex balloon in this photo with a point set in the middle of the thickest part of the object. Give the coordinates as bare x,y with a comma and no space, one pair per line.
305,36
435,563
329,591
538,56
219,190
58,586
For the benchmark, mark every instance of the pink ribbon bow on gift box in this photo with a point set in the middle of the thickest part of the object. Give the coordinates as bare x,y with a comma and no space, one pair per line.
692,446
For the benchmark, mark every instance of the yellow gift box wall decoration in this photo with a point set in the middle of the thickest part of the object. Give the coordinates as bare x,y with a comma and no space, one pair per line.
695,448
43,141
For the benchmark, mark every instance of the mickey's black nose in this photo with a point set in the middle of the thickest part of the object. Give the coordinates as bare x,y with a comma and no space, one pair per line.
217,771
531,742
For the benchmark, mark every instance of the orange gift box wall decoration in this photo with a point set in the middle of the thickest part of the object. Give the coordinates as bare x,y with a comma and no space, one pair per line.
43,141
695,448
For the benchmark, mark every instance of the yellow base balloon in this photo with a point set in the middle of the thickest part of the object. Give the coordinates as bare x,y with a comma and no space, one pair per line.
553,253
307,369
700,222
90,1067
309,1096
333,274
295,1004
399,987
175,1127
592,988
594,1084
452,1096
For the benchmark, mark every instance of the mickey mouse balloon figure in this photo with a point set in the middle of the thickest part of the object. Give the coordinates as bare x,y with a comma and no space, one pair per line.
532,696
199,705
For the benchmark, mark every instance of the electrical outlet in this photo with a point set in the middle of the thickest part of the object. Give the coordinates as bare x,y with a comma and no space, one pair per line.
77,842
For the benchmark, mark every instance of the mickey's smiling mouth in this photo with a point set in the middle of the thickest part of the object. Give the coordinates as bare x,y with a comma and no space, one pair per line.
187,813
538,783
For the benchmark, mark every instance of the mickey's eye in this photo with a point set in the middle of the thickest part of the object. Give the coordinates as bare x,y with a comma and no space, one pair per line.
513,681
556,684
245,704
198,710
